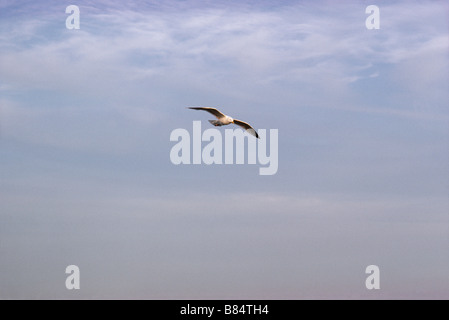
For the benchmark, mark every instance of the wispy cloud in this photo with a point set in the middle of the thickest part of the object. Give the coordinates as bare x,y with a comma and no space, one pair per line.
292,44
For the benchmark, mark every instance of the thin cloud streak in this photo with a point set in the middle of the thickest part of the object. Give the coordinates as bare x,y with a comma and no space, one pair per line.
265,47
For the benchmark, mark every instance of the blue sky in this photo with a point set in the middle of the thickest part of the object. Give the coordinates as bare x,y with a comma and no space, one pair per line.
86,178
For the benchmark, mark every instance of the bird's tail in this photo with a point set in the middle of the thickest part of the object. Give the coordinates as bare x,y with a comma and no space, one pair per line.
215,123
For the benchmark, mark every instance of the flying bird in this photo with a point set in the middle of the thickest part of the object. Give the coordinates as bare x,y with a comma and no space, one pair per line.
225,120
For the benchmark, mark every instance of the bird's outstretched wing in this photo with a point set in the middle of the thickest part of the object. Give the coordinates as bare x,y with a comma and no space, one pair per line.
213,111
247,127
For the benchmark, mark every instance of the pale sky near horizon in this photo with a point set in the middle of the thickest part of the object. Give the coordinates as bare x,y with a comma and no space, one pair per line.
85,171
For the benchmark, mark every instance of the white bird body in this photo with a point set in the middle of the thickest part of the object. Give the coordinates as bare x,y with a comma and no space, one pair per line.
225,120
222,121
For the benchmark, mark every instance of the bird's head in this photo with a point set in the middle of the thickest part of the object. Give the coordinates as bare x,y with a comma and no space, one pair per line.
230,119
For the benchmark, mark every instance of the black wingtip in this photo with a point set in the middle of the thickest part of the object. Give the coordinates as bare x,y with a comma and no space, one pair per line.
254,133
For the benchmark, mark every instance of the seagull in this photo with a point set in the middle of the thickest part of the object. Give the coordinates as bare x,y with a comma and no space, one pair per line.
225,120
